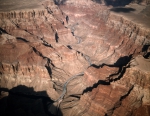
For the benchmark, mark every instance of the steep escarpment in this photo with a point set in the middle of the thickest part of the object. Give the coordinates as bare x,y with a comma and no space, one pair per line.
113,35
75,58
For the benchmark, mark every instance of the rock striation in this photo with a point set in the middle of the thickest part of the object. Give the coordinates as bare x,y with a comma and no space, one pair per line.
84,57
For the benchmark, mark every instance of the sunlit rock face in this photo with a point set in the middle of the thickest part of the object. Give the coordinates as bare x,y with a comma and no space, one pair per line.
75,58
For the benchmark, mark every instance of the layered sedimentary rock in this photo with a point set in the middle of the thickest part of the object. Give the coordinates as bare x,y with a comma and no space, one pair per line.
82,56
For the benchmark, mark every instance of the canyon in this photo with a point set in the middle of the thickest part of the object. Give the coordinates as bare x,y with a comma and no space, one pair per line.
75,58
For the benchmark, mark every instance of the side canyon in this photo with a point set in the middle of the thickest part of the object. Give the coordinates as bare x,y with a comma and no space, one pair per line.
75,58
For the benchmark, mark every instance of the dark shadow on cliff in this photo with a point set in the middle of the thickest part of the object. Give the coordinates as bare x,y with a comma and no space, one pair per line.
121,63
117,2
114,3
22,39
146,51
49,69
2,31
24,101
59,2
125,10
100,82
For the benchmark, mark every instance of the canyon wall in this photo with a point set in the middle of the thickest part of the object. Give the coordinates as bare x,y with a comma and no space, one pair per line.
86,58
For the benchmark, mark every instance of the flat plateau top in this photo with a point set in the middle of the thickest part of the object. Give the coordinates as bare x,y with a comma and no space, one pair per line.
136,13
139,14
9,5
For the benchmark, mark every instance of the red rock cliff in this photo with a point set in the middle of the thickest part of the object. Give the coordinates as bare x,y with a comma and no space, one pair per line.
88,58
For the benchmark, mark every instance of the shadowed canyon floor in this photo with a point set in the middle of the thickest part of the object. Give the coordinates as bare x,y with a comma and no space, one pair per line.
74,58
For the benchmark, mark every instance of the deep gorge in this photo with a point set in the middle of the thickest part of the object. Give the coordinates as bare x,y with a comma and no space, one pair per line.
75,58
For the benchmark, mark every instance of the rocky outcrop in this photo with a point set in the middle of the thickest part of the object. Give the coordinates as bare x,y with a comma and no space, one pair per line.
113,37
86,58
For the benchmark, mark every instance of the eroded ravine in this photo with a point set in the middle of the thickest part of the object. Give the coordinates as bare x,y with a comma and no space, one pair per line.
84,58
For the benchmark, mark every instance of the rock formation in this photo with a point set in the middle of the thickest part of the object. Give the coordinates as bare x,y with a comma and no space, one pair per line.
75,58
